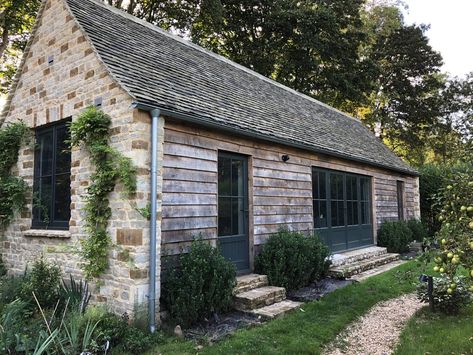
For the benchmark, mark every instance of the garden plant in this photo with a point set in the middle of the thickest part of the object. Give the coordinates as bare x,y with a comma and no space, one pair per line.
454,254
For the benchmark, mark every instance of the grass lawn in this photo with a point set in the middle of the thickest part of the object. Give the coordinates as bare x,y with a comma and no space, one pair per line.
433,333
308,331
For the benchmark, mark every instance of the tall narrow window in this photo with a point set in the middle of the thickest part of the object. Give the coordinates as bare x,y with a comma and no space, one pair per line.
52,178
400,200
319,192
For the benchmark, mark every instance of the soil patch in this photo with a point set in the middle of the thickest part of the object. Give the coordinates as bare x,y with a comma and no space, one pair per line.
318,289
210,331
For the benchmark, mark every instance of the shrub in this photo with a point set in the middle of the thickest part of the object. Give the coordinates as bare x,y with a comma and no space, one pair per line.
122,337
202,285
10,287
449,295
418,229
395,236
293,259
44,280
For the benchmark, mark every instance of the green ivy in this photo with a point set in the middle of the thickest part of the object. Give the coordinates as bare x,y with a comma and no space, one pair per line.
92,130
13,189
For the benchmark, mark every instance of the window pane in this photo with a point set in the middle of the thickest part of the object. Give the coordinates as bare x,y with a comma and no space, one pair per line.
341,214
316,211
237,216
349,213
364,189
315,185
336,186
355,212
352,213
365,214
237,178
62,198
338,218
46,151
42,200
352,190
63,152
323,214
224,216
224,171
320,214
322,186
333,211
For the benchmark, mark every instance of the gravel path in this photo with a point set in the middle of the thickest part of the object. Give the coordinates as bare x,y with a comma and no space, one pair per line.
377,332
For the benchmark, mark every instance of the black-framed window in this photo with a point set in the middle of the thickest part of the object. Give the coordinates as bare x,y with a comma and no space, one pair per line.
52,177
400,199
340,199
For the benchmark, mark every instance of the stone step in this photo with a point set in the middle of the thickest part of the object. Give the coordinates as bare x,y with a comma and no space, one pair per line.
352,256
249,282
258,297
348,270
277,309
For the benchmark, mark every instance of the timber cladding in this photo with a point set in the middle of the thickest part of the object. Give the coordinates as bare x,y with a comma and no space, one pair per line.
280,193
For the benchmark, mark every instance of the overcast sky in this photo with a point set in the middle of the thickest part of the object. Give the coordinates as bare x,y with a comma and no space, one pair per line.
451,30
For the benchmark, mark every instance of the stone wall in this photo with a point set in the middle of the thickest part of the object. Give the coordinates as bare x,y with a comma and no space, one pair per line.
48,91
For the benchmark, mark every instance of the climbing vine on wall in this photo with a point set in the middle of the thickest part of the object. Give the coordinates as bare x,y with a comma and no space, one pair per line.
13,189
92,130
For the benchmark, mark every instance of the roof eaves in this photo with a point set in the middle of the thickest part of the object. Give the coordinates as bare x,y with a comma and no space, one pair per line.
204,121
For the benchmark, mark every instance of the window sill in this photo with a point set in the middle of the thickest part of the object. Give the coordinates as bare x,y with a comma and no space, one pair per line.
47,233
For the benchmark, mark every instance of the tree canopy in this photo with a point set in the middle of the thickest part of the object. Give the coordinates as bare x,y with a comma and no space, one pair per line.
356,55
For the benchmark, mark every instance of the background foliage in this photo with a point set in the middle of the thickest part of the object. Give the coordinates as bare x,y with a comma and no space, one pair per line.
13,189
358,56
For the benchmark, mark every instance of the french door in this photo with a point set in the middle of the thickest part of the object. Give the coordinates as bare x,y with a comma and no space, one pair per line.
233,209
342,209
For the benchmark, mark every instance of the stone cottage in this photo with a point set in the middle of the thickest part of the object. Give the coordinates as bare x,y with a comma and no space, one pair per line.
232,155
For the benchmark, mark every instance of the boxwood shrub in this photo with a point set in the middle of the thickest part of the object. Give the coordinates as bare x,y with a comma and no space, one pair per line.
395,236
293,259
201,285
418,229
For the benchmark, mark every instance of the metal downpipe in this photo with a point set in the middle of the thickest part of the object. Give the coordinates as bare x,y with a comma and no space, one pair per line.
153,225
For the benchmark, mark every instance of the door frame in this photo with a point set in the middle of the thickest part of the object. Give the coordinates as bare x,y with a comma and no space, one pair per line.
247,184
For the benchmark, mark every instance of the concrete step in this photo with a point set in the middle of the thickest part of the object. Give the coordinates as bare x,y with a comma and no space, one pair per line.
249,282
258,297
352,256
277,309
348,270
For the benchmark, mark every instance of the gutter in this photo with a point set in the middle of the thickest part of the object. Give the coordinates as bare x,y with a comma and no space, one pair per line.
153,234
249,134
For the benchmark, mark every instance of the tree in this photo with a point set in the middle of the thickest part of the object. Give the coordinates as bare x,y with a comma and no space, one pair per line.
16,21
406,102
456,233
310,46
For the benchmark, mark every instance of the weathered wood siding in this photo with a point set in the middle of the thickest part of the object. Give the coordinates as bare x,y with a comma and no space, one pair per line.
280,193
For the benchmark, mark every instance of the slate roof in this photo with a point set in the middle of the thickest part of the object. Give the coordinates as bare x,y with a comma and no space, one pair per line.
165,71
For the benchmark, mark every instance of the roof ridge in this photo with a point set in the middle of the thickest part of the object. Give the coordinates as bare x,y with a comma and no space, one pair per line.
215,55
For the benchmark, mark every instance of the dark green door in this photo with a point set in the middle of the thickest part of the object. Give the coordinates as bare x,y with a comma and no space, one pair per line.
233,209
342,209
